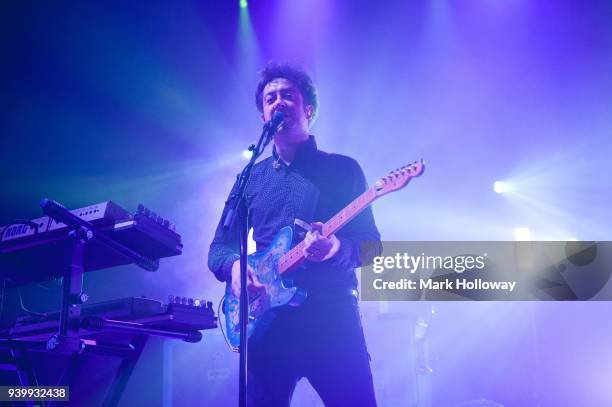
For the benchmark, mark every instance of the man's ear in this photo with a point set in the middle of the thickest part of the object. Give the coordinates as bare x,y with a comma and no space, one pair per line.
309,110
262,118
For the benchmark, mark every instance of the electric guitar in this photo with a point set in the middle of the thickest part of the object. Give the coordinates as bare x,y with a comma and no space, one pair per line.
278,258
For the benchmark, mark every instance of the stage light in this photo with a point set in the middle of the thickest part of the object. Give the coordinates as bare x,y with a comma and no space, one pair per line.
244,4
522,234
500,187
246,154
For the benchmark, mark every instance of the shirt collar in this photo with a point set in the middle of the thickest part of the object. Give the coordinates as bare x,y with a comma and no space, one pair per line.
305,151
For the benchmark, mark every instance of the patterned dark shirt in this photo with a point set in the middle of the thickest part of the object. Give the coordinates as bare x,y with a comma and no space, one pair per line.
314,187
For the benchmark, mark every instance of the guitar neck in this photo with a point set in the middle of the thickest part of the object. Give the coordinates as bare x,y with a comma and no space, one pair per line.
296,255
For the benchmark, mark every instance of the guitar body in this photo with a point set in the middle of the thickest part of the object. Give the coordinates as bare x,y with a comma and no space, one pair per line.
265,266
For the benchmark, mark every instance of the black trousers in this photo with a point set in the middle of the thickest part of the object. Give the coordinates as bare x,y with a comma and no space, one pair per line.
322,341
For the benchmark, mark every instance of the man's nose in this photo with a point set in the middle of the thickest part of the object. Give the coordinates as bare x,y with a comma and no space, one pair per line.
279,105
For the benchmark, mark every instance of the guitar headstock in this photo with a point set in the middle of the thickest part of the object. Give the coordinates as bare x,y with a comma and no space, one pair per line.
399,178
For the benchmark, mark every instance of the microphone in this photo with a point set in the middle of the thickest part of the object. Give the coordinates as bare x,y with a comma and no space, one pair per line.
274,123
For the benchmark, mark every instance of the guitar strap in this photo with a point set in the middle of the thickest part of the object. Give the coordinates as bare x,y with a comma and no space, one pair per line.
299,223
305,213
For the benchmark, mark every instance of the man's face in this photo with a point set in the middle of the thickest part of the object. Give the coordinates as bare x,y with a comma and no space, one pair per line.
281,95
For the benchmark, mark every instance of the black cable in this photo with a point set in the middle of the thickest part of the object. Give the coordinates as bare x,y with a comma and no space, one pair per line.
27,311
16,222
229,345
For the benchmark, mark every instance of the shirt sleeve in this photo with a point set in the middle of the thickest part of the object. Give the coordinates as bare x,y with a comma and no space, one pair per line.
359,239
225,247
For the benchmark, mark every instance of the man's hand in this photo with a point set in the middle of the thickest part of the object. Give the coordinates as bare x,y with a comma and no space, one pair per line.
318,247
253,285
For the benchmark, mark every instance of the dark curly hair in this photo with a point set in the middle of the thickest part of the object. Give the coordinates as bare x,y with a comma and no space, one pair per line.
294,75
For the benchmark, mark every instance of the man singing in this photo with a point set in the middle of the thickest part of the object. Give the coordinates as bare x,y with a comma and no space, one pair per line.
300,185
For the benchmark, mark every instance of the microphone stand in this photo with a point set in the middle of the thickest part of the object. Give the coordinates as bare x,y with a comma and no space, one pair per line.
239,212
